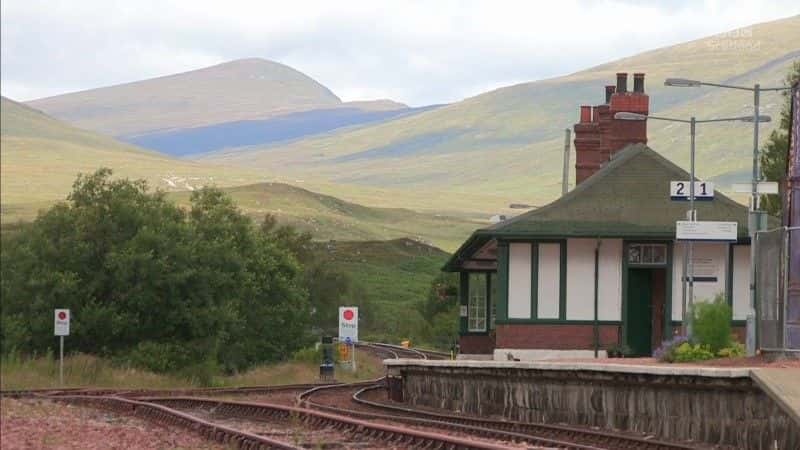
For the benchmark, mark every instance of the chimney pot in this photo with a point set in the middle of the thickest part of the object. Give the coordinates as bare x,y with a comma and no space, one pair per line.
622,82
586,113
610,89
638,83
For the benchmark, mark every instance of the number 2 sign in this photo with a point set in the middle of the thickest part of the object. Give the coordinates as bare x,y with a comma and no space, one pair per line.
703,190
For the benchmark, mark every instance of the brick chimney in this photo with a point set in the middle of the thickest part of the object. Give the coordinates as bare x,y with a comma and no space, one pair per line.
598,135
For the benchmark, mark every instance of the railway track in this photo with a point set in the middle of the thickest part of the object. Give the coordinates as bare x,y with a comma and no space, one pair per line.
540,435
339,413
362,432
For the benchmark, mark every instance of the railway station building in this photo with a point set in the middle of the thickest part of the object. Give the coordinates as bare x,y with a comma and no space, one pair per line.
600,265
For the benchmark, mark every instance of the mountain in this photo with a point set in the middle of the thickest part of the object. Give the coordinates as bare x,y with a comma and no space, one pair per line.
243,102
41,157
191,141
243,89
330,218
505,146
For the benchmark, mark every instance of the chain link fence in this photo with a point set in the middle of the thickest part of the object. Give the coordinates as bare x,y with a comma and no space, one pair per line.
778,316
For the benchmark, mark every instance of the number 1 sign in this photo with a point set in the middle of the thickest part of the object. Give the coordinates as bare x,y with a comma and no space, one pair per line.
703,190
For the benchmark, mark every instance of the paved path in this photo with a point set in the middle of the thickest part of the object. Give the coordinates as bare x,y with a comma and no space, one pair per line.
783,385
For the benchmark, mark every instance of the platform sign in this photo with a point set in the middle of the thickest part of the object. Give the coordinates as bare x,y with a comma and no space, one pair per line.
61,326
703,190
348,323
705,231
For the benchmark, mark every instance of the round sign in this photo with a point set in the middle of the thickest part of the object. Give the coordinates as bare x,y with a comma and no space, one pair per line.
62,315
347,314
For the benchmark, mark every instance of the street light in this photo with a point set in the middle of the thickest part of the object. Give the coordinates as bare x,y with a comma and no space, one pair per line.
688,263
754,221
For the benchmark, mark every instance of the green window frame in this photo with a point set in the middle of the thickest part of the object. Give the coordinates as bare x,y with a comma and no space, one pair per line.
477,303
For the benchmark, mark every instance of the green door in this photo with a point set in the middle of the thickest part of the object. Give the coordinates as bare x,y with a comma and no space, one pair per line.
639,315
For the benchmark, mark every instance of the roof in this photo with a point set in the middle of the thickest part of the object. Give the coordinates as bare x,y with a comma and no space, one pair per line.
627,198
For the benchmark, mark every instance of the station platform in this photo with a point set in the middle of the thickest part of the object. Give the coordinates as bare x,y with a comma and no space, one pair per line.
783,386
742,407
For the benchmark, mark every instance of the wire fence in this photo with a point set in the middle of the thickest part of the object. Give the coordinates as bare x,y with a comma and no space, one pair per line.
777,312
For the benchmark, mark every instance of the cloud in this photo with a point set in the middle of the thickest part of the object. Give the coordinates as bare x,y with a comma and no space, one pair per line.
416,52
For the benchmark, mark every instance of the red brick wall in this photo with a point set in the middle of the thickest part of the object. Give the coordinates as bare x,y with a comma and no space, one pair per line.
554,336
476,344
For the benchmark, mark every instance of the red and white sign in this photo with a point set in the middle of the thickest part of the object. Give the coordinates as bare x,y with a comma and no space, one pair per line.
348,324
61,326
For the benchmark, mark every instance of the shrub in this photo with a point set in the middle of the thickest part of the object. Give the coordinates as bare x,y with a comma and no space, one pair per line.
736,349
687,352
712,323
666,353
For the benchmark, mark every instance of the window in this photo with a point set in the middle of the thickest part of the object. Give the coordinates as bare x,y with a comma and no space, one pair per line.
476,312
647,254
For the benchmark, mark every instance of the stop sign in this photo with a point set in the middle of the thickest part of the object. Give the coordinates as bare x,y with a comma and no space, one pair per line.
348,314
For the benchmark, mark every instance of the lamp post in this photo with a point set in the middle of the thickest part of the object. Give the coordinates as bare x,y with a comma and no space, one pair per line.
688,260
754,219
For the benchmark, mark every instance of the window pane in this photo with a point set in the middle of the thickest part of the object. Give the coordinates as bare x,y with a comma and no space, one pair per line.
634,254
493,299
477,302
660,254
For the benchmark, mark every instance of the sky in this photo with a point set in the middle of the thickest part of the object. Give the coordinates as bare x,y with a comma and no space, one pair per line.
416,52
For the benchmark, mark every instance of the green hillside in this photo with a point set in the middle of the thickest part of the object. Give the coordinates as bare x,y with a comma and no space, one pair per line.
394,277
41,157
505,146
237,90
329,218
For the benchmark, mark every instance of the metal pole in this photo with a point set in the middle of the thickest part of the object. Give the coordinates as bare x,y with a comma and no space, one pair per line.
753,227
353,353
61,361
565,171
690,251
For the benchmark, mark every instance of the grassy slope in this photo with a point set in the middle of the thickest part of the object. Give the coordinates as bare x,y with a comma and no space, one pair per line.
328,217
41,157
236,90
518,130
395,277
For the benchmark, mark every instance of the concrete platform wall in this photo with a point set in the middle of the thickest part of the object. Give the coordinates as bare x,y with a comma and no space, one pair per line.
728,410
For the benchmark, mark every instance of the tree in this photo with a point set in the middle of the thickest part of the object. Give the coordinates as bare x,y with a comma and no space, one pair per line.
147,281
775,150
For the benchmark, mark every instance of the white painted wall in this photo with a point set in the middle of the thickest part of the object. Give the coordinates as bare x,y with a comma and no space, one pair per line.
549,289
580,279
519,281
741,281
710,259
610,287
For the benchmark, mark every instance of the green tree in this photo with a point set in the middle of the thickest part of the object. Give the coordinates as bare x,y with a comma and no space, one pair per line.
775,150
165,288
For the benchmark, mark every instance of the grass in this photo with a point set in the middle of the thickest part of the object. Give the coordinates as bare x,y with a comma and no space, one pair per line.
394,277
329,218
81,370
42,156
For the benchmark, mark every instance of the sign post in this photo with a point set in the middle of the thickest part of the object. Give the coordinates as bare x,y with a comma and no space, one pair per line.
61,329
348,329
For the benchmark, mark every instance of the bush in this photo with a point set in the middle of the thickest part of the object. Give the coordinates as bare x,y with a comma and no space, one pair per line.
736,349
666,353
687,352
712,323
164,286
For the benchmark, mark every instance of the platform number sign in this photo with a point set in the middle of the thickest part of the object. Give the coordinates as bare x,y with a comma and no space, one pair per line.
680,190
61,326
348,324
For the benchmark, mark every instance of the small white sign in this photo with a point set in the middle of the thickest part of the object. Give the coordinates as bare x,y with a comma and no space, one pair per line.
705,231
703,190
763,187
348,323
61,326
463,311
